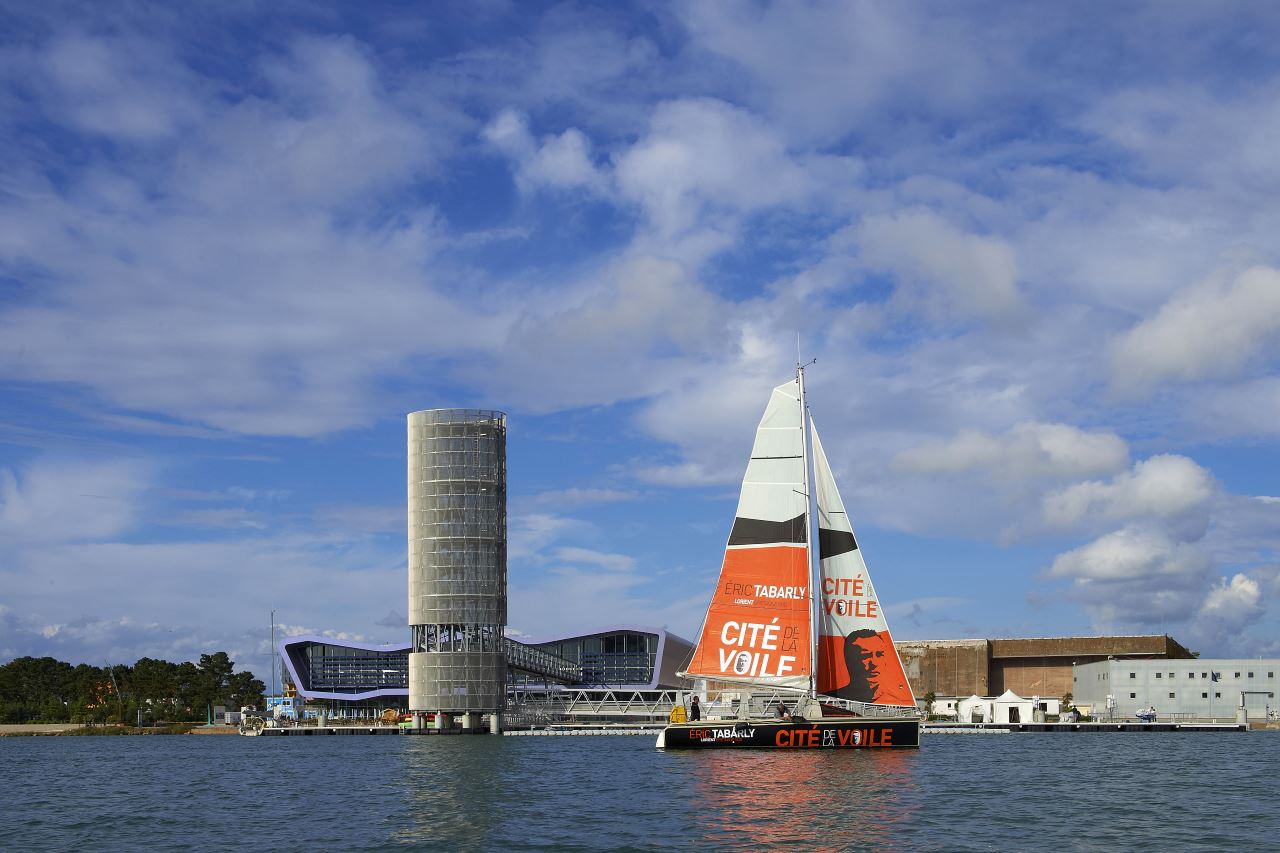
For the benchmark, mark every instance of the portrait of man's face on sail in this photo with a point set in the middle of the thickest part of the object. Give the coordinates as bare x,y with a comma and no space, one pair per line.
862,667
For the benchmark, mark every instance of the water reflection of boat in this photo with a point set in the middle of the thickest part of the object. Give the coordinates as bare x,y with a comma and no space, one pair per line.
775,623
803,800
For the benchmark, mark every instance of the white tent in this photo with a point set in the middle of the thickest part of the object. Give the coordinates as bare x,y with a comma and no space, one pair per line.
975,709
1009,707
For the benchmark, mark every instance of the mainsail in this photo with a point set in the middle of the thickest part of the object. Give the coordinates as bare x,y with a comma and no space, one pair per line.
757,628
856,656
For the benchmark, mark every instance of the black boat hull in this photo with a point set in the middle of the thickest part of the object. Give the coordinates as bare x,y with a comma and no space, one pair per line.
827,733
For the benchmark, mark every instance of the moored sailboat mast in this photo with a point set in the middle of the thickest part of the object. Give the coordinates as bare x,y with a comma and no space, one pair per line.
808,532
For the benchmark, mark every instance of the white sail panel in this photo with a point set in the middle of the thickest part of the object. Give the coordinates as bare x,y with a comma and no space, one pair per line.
757,626
774,482
856,656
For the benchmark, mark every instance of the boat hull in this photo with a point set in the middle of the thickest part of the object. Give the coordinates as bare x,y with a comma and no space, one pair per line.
827,733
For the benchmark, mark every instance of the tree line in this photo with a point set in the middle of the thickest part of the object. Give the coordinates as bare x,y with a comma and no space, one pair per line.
46,690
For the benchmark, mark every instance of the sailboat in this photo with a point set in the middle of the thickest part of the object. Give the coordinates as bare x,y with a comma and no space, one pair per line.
812,638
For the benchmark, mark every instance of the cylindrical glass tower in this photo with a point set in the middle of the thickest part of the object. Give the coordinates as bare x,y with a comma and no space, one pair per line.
457,560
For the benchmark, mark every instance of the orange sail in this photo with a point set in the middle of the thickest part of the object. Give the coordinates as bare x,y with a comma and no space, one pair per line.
757,627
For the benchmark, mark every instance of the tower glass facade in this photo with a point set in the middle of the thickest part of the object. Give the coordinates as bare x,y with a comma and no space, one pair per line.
457,559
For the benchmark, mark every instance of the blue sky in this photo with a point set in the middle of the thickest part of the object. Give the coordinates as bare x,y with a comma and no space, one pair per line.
1032,248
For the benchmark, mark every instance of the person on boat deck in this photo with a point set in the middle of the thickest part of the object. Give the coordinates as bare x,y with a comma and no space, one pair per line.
695,711
781,712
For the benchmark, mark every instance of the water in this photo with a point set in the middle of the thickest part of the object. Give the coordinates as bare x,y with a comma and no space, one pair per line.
995,792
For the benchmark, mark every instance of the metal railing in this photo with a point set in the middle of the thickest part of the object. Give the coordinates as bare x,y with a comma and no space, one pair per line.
538,662
588,704
540,706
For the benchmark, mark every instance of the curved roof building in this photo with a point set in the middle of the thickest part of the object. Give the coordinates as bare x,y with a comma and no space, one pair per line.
345,672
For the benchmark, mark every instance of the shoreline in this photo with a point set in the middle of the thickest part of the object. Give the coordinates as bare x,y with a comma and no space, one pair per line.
78,730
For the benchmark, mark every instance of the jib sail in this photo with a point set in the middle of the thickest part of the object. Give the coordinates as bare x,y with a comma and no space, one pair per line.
856,656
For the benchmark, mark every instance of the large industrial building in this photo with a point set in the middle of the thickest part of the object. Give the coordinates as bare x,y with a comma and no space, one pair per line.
1187,689
1029,667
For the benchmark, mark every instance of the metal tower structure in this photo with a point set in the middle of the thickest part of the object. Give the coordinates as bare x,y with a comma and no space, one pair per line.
457,563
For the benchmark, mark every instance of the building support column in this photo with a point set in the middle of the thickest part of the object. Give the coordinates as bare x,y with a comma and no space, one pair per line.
495,723
444,721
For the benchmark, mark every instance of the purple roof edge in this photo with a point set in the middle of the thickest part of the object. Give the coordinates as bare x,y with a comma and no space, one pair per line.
283,647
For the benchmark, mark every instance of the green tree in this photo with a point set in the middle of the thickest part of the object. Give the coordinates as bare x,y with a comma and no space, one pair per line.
216,669
245,689
155,687
53,710
36,688
190,692
47,689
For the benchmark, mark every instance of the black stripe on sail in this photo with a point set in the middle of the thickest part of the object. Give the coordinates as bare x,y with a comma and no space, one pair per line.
833,543
753,531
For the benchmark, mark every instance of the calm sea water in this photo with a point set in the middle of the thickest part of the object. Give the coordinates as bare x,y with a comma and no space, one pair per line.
993,792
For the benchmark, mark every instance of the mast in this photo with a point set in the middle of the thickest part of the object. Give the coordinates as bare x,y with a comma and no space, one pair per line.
808,531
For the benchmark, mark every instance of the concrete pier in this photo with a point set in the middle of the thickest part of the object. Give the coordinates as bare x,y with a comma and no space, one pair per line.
1119,726
574,729
299,731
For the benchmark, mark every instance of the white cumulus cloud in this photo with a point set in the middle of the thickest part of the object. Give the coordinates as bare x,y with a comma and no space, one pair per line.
1230,606
950,273
703,158
1211,330
1127,554
557,162
1135,576
63,500
620,334
1026,451
1234,602
1163,486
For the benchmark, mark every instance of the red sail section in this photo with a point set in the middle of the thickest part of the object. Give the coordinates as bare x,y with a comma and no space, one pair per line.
757,627
862,666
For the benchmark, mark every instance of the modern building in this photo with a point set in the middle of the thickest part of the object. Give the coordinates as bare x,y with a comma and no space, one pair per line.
457,506
627,657
345,678
349,679
1178,689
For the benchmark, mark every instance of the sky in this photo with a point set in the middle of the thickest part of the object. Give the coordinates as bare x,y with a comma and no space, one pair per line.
1032,248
